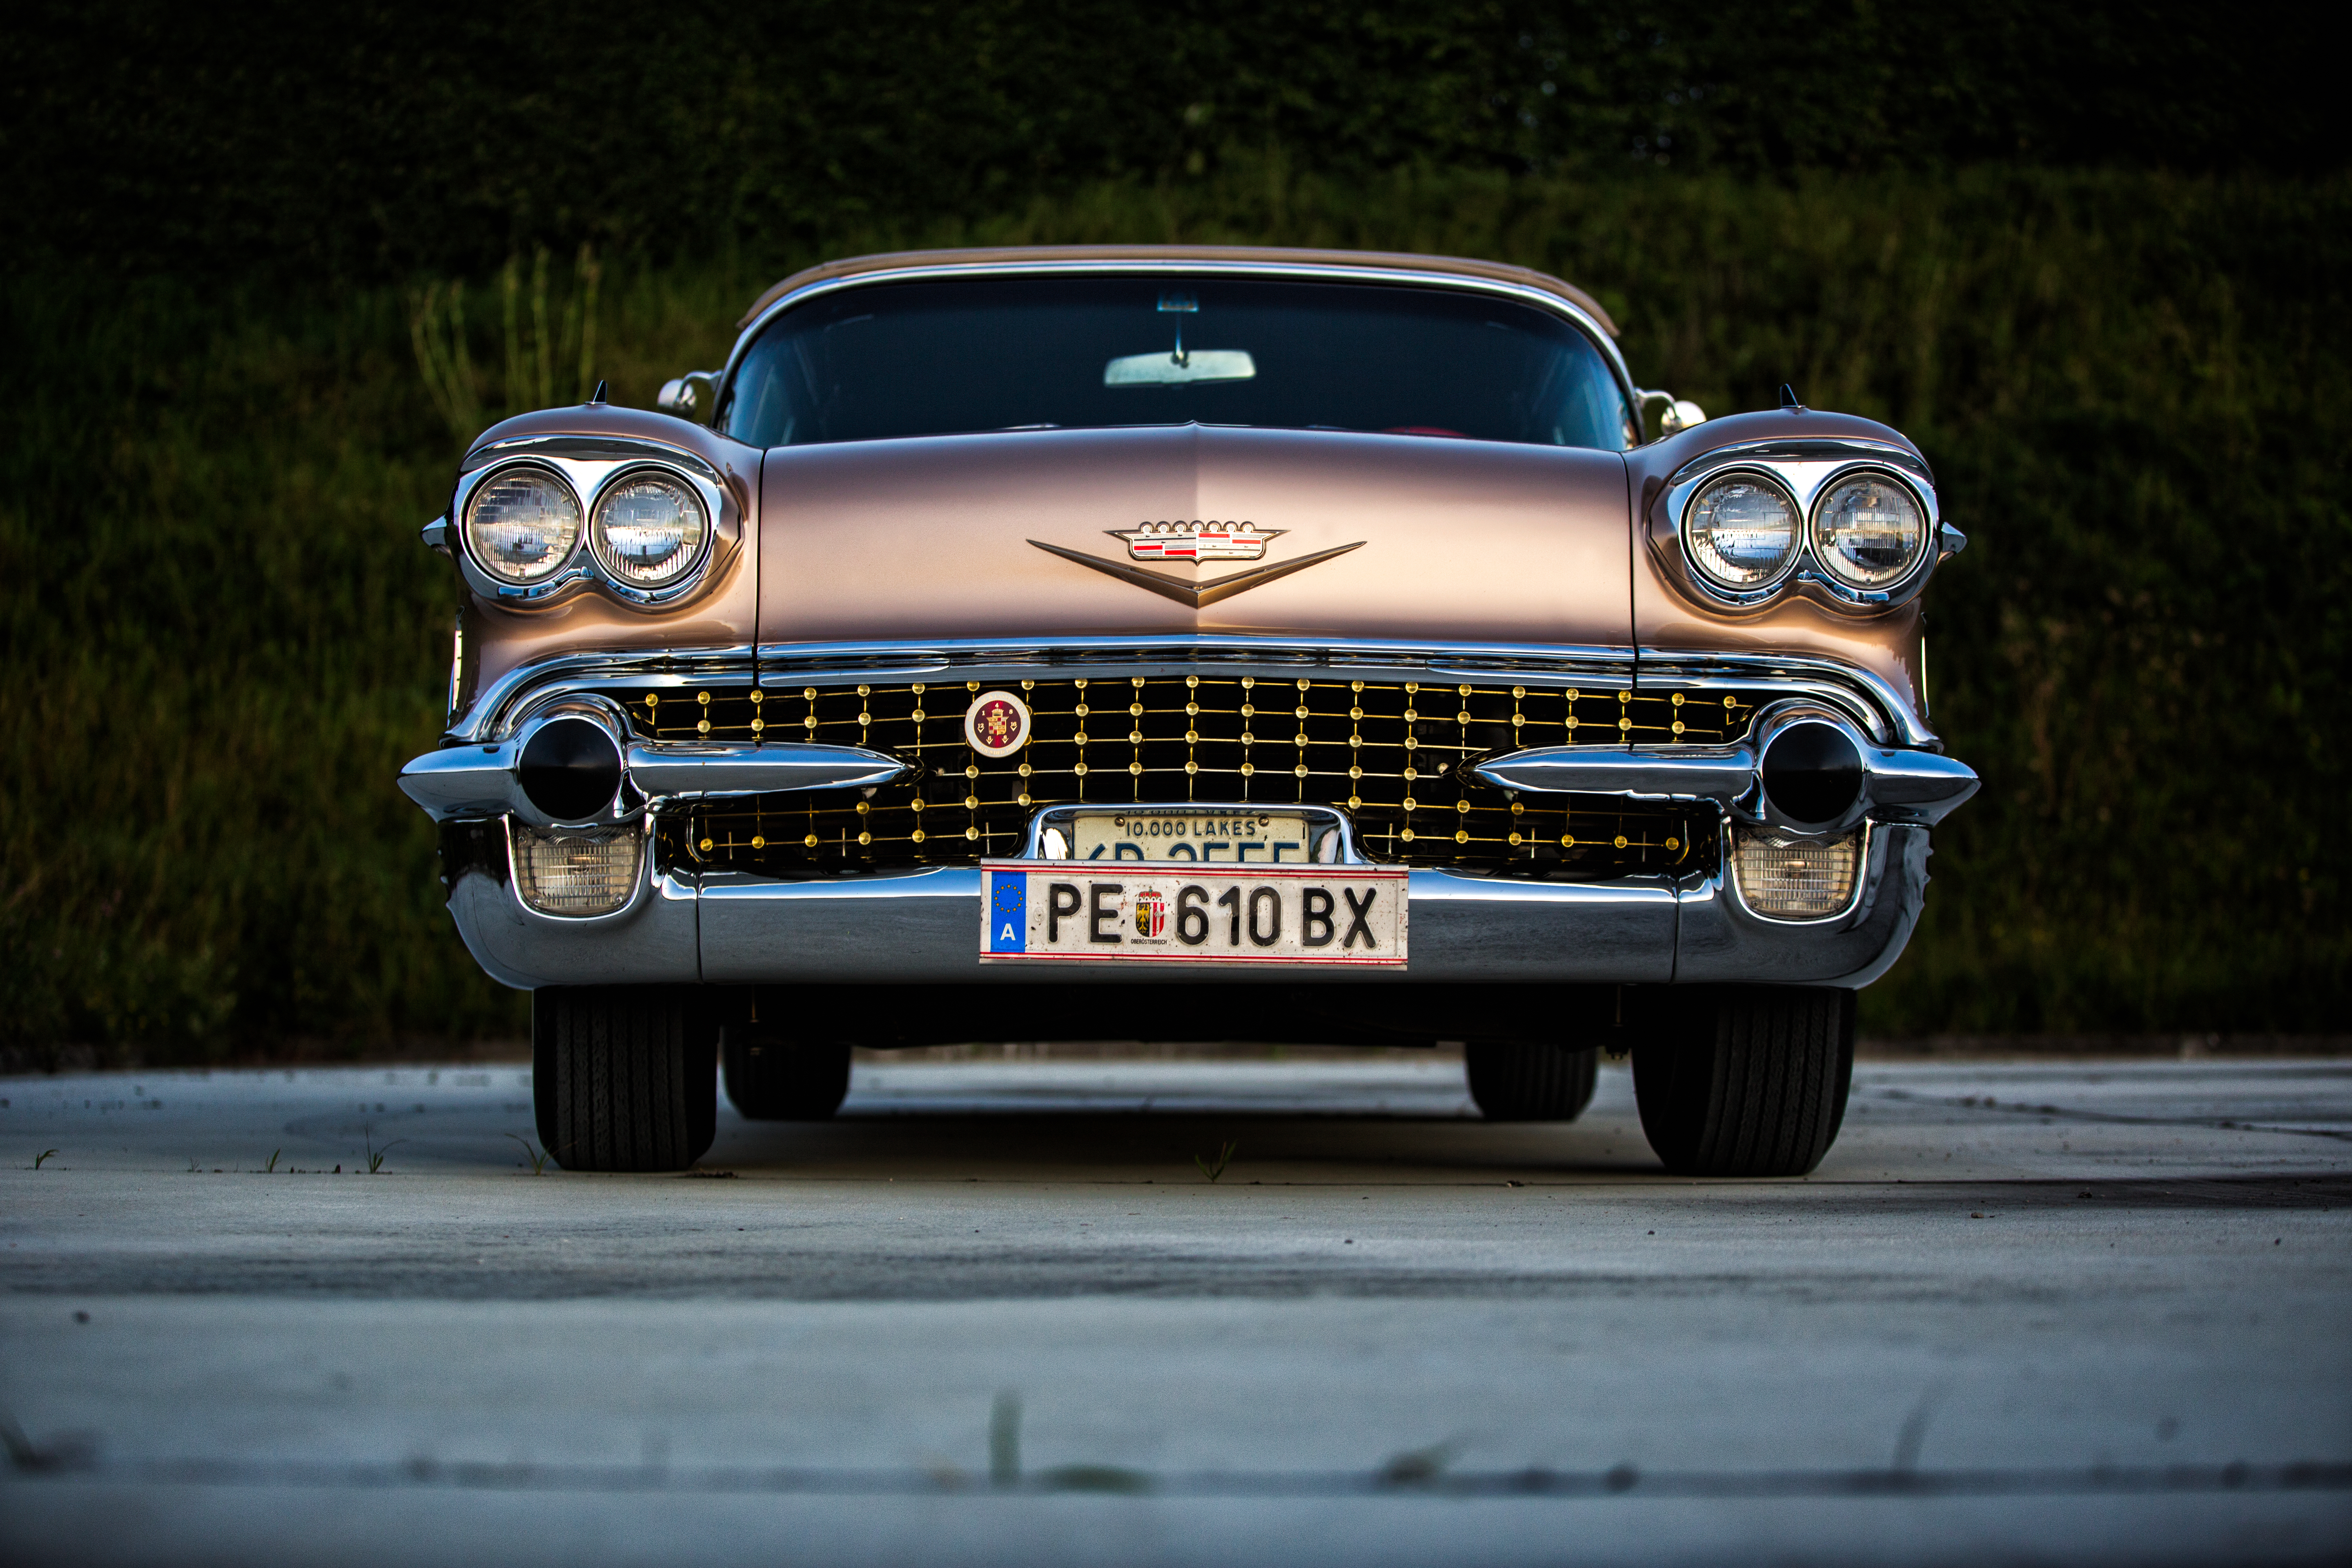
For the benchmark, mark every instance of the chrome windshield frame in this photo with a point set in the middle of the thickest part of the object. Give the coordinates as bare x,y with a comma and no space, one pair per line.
1288,272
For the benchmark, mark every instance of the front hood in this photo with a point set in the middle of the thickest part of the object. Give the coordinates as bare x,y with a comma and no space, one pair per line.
1432,539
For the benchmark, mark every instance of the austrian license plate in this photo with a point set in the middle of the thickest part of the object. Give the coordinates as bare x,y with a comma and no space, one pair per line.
1242,838
1081,911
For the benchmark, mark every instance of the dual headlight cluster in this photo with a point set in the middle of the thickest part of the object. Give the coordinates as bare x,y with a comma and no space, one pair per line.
647,530
1745,534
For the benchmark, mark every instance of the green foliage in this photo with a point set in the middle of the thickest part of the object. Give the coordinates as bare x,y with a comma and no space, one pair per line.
371,141
222,637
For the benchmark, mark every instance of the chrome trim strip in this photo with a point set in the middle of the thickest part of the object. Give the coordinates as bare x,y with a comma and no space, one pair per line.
1323,273
1883,711
474,782
984,659
663,769
591,450
1719,774
560,674
1898,786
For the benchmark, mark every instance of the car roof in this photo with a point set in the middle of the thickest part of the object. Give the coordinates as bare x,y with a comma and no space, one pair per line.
1437,268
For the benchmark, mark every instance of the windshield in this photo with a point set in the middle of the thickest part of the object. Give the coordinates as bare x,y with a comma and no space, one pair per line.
971,354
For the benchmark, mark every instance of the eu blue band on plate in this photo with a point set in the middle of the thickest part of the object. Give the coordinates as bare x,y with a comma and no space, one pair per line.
1008,911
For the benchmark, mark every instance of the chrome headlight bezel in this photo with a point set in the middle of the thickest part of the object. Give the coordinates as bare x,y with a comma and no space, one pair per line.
591,468
1807,471
1768,586
471,521
1827,558
600,543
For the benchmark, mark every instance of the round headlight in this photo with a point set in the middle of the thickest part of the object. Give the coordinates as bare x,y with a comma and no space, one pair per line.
522,525
650,530
1741,533
1869,531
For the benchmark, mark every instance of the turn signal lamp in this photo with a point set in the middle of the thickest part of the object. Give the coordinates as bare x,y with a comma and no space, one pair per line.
577,870
1784,878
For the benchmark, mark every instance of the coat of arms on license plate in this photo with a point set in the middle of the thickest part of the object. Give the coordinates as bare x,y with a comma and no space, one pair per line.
1150,913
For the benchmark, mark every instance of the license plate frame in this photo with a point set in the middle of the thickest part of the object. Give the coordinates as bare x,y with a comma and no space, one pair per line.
1086,911
1191,835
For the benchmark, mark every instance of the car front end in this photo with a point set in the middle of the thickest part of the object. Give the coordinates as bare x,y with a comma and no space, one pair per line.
893,723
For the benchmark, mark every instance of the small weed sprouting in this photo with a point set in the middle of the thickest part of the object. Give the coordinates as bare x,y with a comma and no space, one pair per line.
1224,1158
538,1157
375,1155
40,1159
271,1168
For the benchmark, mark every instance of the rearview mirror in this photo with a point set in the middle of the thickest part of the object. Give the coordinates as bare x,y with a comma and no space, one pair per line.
1179,369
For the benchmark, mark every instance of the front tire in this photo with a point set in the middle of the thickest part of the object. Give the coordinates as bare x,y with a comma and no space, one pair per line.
1524,1082
769,1079
1747,1080
622,1078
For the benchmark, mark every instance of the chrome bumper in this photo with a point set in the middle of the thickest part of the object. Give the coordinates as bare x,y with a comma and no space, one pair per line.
923,927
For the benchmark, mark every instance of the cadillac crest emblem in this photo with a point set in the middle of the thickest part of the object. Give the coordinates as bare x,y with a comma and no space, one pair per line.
996,724
1196,540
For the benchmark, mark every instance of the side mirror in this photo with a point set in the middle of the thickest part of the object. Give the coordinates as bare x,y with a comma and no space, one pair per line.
693,396
1675,414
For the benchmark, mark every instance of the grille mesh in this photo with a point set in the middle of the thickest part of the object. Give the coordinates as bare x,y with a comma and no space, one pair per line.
1394,755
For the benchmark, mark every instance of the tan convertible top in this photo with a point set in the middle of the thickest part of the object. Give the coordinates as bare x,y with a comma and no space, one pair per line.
1437,266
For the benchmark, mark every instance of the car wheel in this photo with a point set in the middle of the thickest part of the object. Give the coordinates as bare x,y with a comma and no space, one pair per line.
771,1078
622,1078
1747,1081
1522,1083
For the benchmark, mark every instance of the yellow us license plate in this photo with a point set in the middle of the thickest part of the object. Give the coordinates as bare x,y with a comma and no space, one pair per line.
1087,911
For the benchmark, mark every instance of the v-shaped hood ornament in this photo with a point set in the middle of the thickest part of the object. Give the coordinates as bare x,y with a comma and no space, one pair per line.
1195,595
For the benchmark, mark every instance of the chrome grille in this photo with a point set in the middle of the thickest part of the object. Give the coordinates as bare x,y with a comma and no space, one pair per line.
1396,755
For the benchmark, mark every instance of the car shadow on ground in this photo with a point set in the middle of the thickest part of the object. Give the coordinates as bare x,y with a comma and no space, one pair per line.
1236,1147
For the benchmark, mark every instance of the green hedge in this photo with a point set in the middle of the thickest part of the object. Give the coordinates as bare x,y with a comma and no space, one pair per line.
221,638
367,140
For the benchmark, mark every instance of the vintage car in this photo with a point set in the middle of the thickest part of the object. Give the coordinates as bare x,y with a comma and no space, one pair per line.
1187,644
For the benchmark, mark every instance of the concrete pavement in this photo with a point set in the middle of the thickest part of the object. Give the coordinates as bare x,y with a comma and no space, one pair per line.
2079,1312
